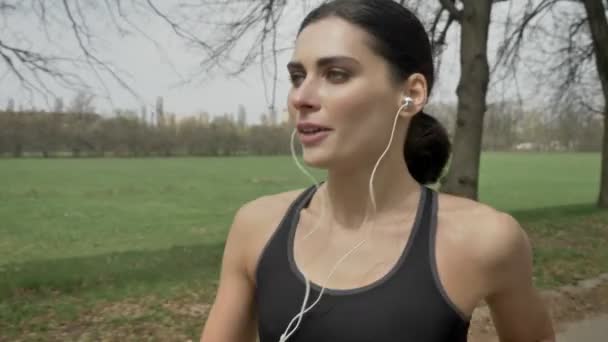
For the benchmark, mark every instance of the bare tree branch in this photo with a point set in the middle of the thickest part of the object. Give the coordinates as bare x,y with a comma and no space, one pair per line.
4,6
565,49
450,6
35,63
253,19
35,68
508,51
93,61
177,28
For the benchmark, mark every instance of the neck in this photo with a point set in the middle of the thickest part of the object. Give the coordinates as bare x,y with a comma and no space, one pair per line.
347,192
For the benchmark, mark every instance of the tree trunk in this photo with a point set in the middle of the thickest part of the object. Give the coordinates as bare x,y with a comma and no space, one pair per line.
18,150
463,175
599,33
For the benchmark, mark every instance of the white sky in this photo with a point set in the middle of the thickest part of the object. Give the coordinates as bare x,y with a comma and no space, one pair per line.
152,75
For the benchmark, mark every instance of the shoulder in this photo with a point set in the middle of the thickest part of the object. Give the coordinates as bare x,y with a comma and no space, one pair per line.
262,210
491,238
255,222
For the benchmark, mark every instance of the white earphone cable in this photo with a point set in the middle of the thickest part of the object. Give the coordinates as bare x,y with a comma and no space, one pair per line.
289,331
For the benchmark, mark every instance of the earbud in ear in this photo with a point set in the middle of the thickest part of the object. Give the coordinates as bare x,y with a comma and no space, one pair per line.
407,101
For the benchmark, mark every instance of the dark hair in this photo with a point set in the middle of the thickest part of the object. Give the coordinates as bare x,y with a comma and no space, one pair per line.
400,38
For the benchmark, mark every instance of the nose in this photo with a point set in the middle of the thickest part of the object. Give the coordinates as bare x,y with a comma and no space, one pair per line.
305,97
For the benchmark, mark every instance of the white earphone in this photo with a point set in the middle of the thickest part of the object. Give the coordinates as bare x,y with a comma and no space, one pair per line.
407,101
294,324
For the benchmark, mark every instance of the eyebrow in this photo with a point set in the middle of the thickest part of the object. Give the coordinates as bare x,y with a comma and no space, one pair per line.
324,61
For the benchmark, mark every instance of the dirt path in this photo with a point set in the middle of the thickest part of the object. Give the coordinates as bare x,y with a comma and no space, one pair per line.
580,313
588,330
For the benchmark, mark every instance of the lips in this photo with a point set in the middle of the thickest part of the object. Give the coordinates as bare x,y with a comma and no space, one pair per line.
311,128
312,134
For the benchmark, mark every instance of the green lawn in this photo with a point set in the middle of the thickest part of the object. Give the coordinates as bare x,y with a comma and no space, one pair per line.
124,245
520,181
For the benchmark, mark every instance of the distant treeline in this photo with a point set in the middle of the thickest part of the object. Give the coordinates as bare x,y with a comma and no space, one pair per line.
507,127
91,135
50,134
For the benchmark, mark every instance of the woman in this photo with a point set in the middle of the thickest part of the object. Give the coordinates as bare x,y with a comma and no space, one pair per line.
315,264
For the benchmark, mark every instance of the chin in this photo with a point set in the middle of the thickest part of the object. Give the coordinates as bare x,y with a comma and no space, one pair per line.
316,158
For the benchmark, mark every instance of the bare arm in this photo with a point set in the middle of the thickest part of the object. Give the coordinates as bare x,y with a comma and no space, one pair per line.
232,317
517,310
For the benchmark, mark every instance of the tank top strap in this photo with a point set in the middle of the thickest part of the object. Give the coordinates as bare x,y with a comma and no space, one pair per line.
274,253
420,244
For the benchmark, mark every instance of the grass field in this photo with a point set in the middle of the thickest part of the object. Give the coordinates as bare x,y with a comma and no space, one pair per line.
132,247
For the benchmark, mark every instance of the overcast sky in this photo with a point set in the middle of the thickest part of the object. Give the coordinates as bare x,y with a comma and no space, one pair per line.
157,70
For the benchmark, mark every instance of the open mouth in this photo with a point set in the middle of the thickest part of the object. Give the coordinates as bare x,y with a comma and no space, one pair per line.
312,134
313,130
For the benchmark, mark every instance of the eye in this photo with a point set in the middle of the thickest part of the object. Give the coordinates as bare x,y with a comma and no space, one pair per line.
297,78
337,76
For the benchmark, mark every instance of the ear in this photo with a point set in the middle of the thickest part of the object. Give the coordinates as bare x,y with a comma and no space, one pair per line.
416,88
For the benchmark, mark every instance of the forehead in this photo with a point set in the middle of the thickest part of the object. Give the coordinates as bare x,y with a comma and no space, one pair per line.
332,36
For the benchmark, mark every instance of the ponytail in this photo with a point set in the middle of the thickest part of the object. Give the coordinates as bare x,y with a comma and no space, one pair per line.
427,148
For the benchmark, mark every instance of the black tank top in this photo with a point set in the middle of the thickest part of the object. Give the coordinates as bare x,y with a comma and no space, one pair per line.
408,304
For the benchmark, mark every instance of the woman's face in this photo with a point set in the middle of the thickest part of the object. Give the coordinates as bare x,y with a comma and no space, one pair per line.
341,85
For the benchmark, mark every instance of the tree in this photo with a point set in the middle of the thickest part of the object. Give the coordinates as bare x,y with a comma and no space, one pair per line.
82,107
39,70
242,116
261,19
580,35
264,120
144,114
474,18
82,103
190,135
500,126
223,130
12,131
10,106
596,14
160,111
58,107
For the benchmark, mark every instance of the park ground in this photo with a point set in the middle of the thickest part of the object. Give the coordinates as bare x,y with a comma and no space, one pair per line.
129,249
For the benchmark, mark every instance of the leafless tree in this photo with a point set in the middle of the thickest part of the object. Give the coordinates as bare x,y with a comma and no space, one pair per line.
474,18
38,71
216,30
234,35
578,57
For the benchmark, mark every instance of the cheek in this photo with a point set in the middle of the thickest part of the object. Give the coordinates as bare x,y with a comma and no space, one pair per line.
359,108
291,109
289,103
